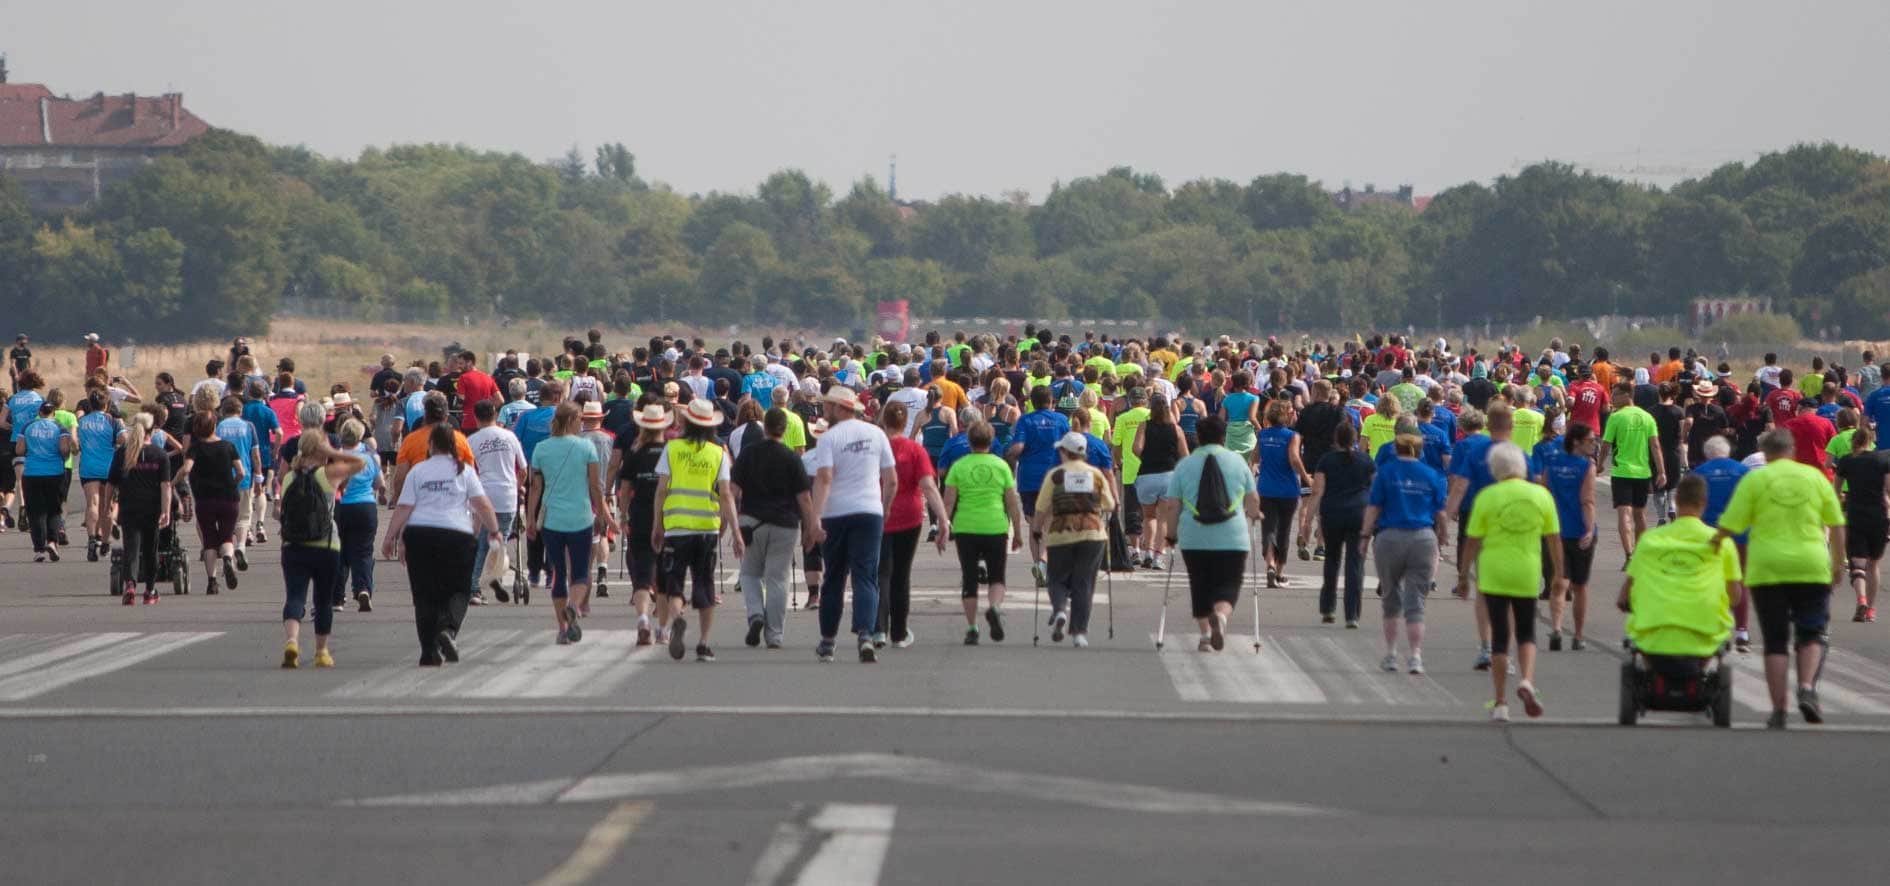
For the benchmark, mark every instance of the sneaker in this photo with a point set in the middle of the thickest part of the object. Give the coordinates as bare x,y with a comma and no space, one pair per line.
1280,580
824,652
1776,721
703,653
584,610
1351,624
52,553
1319,554
39,556
754,633
1531,705
1499,713
1808,705
971,636
1325,618
1039,572
242,563
678,629
1389,663
91,553
1555,641
1273,579
449,646
210,586
498,591
813,603
1204,646
363,601
868,654
1079,641
150,597
433,660
1870,613
1857,616
574,632
564,639
774,644
643,632
131,594
1482,663
1742,644
880,639
1577,645
1414,665
1058,621
229,573
261,536
996,620
1217,632
477,599
905,642
323,659
291,657
1304,554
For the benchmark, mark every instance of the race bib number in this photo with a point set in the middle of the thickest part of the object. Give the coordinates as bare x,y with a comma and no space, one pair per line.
1079,482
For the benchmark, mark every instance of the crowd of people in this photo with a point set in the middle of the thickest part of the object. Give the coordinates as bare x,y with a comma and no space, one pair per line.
1092,453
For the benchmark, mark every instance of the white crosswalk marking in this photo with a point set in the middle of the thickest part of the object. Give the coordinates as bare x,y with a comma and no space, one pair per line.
1851,684
34,665
514,664
848,843
1292,669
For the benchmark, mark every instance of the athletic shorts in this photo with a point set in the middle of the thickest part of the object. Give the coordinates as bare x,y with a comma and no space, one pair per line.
691,557
1149,488
1577,564
639,559
989,550
1213,577
1629,492
1503,610
1030,501
1782,608
1865,536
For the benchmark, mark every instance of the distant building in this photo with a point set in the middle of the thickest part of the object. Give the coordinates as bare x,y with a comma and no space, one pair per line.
1348,199
65,152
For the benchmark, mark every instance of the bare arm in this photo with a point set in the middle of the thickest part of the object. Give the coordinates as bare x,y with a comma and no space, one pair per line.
888,487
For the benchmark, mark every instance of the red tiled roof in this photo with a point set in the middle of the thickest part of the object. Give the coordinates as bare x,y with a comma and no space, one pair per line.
1421,203
99,121
24,90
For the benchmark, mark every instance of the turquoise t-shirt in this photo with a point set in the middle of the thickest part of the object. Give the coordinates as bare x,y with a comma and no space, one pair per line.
1185,484
567,493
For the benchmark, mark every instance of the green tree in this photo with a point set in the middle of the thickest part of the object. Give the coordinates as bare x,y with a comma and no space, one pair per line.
1090,212
1286,201
1845,246
870,211
734,272
616,163
1863,305
967,234
921,282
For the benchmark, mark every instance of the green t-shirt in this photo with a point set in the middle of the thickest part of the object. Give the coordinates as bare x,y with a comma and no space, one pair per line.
957,354
1409,396
1811,385
1178,367
981,479
1629,430
1511,518
1102,364
1377,431
1124,438
1099,423
796,436
1528,430
1124,370
67,420
1786,505
1680,602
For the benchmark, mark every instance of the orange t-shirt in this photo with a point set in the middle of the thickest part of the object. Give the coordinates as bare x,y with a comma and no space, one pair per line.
1604,375
1669,371
950,394
413,447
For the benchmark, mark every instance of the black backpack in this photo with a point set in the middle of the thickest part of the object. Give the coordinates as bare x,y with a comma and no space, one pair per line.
307,511
1211,502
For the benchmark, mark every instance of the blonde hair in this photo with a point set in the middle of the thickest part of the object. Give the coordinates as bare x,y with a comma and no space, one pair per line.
137,431
311,448
566,420
351,432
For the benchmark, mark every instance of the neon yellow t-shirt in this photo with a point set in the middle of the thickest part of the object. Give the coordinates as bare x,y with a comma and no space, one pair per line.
1811,385
1377,431
1511,518
1124,437
1786,505
1528,430
796,435
1629,430
1103,365
1680,604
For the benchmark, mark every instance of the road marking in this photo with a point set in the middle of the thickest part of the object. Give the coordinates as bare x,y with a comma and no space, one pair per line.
1238,675
59,650
831,767
854,849
1835,692
514,664
599,847
83,659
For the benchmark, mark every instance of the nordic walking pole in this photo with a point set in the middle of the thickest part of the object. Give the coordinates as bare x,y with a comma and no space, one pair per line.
1110,576
1036,599
1161,627
1256,604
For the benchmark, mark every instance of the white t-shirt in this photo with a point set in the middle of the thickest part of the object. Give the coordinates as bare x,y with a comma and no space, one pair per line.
584,384
855,451
782,374
499,457
915,399
981,362
441,494
700,385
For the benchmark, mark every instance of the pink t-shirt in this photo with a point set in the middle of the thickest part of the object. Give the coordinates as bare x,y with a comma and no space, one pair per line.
912,465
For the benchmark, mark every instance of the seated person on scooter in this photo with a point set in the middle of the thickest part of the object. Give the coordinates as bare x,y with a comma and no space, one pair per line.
1681,584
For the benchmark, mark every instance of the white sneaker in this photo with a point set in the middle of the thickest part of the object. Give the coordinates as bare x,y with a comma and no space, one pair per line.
879,639
1499,714
1080,641
1414,664
1389,663
1058,620
907,641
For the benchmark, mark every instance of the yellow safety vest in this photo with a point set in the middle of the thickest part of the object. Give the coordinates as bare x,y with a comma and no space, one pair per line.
694,504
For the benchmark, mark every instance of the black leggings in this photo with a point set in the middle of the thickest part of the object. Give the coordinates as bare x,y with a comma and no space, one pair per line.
974,548
439,569
141,549
896,550
42,510
1276,523
1500,609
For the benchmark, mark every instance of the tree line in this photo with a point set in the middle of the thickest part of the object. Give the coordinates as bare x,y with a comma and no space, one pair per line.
205,243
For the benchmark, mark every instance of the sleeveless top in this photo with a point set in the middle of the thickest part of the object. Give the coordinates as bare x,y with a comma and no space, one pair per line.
1190,416
934,433
1160,451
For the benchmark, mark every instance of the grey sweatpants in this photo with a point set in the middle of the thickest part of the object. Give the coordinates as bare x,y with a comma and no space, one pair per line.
1072,580
765,567
1407,559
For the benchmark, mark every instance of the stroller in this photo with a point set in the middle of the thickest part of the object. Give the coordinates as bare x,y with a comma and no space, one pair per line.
173,565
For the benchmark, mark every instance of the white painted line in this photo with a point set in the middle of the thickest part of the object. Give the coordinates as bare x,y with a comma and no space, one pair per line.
74,669
530,793
855,846
1749,688
84,644
599,848
518,664
779,854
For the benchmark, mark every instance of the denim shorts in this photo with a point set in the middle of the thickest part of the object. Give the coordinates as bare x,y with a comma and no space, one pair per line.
1149,488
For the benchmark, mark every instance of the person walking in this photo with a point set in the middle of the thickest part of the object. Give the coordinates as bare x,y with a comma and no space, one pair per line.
310,549
692,494
1791,564
1160,444
1210,489
1567,470
216,474
1282,476
1860,483
562,507
441,506
774,502
633,464
1072,511
981,497
357,518
140,488
1405,514
96,439
855,481
1342,484
1505,533
501,464
1033,450
905,517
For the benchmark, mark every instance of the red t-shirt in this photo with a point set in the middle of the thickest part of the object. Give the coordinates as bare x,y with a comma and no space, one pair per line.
474,386
1810,434
1585,399
96,358
1782,404
912,465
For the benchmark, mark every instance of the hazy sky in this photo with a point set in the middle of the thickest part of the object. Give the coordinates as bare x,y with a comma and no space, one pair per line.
990,95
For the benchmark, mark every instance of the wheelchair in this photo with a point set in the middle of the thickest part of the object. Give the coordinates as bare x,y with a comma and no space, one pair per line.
1676,683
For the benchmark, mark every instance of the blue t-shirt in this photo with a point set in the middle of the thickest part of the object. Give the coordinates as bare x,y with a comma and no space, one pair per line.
23,408
1563,472
1098,455
1185,484
264,424
1877,406
242,436
416,407
1039,432
1436,446
956,448
567,493
1471,461
1829,412
1407,493
1237,404
534,427
1277,477
42,448
1539,456
360,488
98,440
759,385
1722,476
1446,421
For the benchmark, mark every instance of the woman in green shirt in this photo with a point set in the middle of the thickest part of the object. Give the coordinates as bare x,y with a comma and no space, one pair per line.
1504,537
981,496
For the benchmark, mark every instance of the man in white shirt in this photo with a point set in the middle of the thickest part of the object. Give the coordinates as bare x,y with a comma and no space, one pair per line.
854,482
212,382
914,397
782,372
500,461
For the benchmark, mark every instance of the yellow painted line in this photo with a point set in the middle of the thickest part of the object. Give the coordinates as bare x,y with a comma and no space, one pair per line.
600,847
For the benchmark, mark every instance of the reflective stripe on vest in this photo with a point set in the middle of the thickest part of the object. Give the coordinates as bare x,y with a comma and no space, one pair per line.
693,503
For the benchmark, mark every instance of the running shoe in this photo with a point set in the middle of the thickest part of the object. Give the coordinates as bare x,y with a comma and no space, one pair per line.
1555,641
63,540
880,639
1281,579
433,660
824,652
1058,621
91,553
1414,665
150,597
754,633
813,602
643,632
1273,579
678,629
564,639
996,621
363,601
210,586
774,644
1204,646
498,591
229,573
1304,553
131,594
1808,705
52,553
449,646
1319,554
291,656
1389,663
262,537
1217,632
703,653
1577,645
1039,572
1079,641
1742,644
1325,618
868,654
1776,721
242,561
323,659
477,599
1351,624
1499,713
1482,663
573,631
906,641
1870,613
584,610
1530,704
1857,616
39,556
971,636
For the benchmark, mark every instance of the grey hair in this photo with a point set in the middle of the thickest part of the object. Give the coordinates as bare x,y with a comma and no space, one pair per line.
311,414
967,415
516,388
1777,444
351,433
1717,447
1407,425
1507,462
414,376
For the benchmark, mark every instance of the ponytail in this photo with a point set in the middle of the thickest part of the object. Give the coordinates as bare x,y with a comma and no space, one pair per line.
137,431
